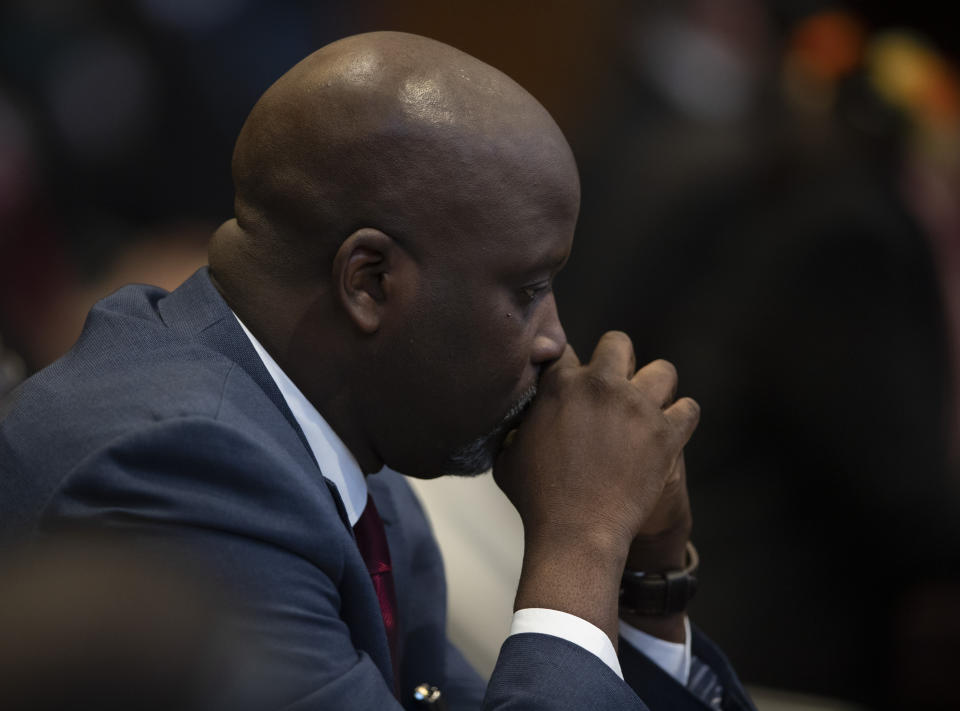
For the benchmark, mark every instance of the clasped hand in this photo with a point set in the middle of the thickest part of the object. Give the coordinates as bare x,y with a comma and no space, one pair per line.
595,471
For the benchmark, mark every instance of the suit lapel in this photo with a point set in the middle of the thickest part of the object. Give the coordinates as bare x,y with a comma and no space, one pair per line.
198,312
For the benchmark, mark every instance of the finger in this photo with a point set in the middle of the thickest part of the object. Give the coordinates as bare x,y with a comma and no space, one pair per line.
567,359
684,415
658,380
678,473
614,354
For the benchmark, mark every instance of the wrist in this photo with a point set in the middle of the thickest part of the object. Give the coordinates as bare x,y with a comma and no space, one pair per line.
660,552
579,577
599,550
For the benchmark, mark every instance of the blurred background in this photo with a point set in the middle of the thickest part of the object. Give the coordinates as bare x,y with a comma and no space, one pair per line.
771,200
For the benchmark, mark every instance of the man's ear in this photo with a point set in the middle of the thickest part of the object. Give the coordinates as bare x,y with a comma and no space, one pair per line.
365,268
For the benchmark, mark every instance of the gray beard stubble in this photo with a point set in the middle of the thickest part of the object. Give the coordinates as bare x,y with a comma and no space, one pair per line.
478,456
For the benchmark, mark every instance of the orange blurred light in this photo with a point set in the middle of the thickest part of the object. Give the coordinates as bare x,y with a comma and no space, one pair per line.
828,45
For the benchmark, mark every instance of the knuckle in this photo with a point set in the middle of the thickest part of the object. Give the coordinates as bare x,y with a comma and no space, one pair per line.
598,385
692,408
665,434
668,369
618,340
635,402
560,378
618,337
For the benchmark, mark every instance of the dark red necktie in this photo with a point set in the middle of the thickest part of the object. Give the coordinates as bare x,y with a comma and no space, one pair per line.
372,542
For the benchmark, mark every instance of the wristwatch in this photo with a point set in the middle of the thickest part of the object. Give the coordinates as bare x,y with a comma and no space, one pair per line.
660,594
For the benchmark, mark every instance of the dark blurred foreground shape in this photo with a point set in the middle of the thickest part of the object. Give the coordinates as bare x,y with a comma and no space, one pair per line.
88,622
767,249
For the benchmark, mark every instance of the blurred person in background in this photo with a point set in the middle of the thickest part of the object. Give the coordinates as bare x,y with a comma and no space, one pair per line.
759,235
116,120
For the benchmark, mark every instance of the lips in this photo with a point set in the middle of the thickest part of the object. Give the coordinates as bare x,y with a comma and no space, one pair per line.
516,411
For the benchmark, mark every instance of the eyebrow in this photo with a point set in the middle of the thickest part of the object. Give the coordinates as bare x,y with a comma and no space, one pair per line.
557,260
551,262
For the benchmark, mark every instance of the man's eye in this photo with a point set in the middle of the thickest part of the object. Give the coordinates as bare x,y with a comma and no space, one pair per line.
531,292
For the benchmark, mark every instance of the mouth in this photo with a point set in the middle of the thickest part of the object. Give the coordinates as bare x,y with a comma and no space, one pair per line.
503,433
478,456
517,410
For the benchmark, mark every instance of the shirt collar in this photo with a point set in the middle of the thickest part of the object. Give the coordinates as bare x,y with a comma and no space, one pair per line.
336,462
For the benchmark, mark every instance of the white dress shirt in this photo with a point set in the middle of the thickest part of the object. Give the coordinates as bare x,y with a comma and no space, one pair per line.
340,466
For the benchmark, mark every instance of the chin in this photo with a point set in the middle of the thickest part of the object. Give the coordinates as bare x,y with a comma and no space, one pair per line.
475,458
472,459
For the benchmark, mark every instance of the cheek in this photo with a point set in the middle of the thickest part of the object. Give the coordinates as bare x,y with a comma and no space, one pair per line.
501,354
473,343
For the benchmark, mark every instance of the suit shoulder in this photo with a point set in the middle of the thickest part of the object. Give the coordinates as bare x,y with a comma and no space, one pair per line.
128,372
129,360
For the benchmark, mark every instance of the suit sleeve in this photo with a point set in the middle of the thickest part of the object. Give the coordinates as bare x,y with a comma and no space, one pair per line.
538,671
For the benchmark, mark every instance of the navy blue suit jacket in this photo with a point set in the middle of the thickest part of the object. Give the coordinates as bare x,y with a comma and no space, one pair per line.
163,420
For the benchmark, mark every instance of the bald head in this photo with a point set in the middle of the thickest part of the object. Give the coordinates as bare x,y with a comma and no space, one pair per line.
394,132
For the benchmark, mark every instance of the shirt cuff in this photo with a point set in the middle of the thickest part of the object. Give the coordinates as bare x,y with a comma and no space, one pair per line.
569,627
672,657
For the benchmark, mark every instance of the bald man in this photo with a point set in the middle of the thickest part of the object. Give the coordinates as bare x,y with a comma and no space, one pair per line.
382,302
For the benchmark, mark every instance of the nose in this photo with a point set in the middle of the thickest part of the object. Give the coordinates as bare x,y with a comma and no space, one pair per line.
550,340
